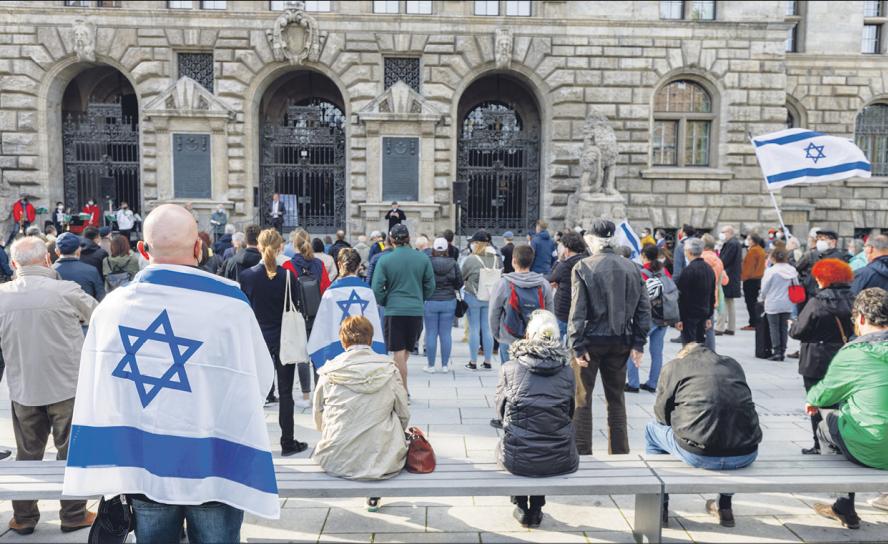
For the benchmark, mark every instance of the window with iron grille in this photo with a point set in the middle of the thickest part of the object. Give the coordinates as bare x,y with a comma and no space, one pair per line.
197,66
871,136
405,69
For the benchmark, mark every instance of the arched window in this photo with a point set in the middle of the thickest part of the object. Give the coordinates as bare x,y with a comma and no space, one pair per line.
871,135
683,119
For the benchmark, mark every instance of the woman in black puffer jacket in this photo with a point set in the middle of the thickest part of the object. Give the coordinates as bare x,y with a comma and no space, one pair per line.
535,401
823,327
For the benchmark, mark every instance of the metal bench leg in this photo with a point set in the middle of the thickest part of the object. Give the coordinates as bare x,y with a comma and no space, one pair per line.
648,518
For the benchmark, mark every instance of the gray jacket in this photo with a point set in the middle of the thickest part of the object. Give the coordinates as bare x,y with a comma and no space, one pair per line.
610,303
499,302
535,400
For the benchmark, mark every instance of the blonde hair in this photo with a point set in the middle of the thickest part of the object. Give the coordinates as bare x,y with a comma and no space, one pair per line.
355,330
479,248
302,243
270,242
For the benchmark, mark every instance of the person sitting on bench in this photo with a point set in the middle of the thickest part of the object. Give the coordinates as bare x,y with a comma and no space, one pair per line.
705,417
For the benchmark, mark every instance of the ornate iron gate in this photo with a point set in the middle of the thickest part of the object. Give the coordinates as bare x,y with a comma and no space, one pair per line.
303,160
499,158
101,143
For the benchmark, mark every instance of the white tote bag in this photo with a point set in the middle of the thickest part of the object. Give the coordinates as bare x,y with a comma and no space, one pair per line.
294,338
488,278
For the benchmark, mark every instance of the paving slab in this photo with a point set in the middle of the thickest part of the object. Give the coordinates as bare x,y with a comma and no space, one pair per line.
749,529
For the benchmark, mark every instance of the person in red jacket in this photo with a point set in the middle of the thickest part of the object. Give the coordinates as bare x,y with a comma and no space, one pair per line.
95,214
23,214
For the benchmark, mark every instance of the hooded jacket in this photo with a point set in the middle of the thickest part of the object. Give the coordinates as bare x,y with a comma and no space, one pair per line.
704,397
360,408
448,278
775,288
857,379
875,274
819,331
535,400
242,260
123,263
610,303
499,301
93,255
543,248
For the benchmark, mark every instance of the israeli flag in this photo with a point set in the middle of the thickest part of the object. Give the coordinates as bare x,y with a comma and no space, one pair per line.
625,236
173,375
345,297
798,155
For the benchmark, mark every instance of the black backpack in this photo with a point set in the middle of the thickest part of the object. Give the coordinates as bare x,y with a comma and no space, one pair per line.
308,290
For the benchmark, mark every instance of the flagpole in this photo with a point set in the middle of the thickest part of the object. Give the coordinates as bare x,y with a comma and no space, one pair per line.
773,198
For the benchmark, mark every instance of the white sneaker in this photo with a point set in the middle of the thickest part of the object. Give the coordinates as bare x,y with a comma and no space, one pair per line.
428,369
302,403
445,369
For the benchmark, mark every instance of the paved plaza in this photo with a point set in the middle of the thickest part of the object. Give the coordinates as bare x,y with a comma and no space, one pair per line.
454,410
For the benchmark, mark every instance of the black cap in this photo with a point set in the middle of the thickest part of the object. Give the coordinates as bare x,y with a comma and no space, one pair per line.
602,228
829,233
399,233
481,236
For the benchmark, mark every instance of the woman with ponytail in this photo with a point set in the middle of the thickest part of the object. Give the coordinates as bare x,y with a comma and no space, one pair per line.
265,285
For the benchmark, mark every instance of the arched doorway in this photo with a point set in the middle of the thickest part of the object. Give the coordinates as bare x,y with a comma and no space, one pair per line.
303,151
100,140
498,155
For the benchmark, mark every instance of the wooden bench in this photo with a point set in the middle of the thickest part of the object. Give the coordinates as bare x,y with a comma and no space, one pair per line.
302,478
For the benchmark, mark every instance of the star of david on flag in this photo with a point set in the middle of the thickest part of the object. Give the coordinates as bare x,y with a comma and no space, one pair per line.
814,152
353,298
181,349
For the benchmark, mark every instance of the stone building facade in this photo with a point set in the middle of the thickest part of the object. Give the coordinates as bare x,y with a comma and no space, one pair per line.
342,108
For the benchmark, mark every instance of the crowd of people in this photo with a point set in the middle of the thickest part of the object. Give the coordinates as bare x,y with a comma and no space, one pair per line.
557,311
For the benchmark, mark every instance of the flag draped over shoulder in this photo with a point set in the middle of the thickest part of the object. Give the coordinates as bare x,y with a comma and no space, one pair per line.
345,297
797,155
173,374
625,236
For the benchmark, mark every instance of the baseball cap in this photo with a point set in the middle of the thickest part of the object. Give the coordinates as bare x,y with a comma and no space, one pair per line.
399,233
67,243
508,235
104,231
440,244
602,228
481,236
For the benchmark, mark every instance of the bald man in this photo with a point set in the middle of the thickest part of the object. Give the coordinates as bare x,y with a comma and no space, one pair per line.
200,396
41,339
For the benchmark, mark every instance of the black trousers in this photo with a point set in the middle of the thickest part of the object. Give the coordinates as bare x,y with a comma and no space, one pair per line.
532,502
693,330
751,290
277,223
610,360
816,418
286,375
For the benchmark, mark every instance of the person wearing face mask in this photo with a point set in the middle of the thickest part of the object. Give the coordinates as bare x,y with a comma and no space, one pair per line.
825,247
95,214
59,220
125,220
219,220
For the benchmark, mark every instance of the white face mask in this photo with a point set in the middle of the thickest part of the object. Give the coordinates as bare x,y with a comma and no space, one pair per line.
721,236
60,208
822,245
779,234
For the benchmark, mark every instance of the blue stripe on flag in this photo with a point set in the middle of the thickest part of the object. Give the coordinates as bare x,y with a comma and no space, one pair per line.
171,456
630,236
193,282
332,350
789,139
815,172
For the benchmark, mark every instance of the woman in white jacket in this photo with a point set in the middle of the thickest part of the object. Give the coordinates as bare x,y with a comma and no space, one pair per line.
775,296
360,407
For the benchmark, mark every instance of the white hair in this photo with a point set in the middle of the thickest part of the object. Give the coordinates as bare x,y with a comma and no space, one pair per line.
238,238
596,243
230,229
543,325
29,251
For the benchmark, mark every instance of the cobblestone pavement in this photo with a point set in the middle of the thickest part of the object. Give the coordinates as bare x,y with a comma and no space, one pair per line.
454,410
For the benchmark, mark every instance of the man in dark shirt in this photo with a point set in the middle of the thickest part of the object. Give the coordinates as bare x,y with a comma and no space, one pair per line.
506,250
90,252
247,258
560,278
70,267
395,216
696,294
338,245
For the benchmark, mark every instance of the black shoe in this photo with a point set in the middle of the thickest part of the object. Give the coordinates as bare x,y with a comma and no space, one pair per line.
725,515
676,340
719,333
848,519
4,454
648,388
811,451
496,423
471,366
629,389
776,357
486,366
294,448
523,516
729,332
270,399
534,518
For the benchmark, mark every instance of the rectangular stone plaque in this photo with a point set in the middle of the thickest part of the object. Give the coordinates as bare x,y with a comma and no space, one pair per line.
192,172
400,169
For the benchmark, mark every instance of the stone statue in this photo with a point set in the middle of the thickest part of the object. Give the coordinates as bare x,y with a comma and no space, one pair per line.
294,36
84,40
596,194
503,48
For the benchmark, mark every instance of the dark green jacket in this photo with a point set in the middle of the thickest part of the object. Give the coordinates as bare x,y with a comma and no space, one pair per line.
857,379
402,280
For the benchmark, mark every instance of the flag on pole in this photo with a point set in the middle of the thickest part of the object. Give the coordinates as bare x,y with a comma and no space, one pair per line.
626,237
797,155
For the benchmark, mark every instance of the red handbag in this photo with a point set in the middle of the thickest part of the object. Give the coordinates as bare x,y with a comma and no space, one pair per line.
797,294
420,455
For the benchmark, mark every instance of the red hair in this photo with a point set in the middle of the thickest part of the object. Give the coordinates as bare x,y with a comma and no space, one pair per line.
832,271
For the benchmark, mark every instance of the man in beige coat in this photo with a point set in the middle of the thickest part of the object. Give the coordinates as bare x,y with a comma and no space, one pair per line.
41,338
360,407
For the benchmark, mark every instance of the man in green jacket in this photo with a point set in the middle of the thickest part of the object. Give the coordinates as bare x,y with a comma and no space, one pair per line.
402,281
857,381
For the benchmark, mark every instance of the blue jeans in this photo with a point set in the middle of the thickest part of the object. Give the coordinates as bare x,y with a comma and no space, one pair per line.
439,324
660,439
209,522
504,352
562,328
656,336
479,328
